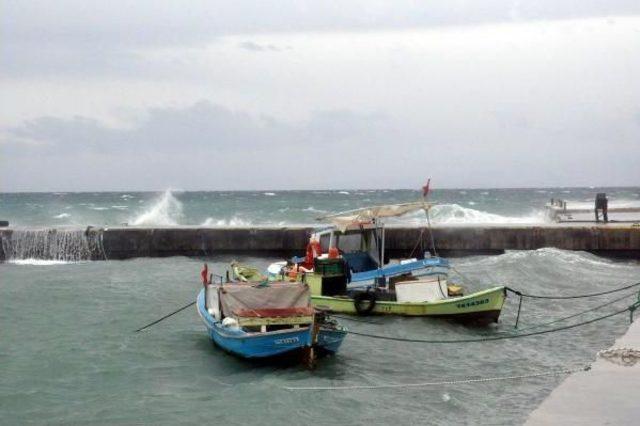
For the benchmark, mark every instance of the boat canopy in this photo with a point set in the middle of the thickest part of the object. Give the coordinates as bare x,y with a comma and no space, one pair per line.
402,268
276,299
344,219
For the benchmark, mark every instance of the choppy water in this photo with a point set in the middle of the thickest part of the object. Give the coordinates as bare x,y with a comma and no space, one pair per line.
170,208
68,354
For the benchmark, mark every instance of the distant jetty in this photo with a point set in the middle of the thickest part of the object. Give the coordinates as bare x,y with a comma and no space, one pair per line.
613,239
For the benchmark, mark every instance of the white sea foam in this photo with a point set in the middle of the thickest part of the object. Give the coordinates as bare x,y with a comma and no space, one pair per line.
126,196
456,214
343,192
166,211
313,210
270,194
546,254
120,207
62,216
232,222
39,262
99,208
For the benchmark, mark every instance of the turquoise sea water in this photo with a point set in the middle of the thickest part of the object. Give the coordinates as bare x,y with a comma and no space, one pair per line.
68,353
169,208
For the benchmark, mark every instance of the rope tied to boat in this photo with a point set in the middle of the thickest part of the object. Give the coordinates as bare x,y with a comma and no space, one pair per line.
498,337
594,308
576,296
440,383
522,295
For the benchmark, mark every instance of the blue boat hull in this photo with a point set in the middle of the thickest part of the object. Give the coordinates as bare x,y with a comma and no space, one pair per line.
269,344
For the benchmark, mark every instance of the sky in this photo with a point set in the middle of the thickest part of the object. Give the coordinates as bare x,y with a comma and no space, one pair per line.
239,95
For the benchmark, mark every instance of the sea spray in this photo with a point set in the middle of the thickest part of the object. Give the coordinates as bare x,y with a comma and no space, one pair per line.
166,211
232,222
457,214
59,245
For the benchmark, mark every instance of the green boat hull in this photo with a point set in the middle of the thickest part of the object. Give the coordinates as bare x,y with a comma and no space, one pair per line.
483,306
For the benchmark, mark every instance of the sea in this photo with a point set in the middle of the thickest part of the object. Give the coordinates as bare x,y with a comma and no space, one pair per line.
69,353
281,208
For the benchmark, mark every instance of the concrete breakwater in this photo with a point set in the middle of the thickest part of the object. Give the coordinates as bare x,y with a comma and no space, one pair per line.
129,242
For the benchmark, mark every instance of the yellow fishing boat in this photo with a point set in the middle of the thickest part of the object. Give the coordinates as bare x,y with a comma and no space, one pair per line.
415,297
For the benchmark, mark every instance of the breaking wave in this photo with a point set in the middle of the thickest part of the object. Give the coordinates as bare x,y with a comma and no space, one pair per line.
457,214
166,211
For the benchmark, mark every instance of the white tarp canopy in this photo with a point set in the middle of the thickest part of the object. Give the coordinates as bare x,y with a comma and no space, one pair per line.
367,214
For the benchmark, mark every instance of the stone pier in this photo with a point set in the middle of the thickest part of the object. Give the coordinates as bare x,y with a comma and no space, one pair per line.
618,240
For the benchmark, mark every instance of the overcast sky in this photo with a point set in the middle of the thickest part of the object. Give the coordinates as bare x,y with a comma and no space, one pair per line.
198,95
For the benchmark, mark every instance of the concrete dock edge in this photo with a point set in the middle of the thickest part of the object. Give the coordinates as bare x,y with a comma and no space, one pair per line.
605,395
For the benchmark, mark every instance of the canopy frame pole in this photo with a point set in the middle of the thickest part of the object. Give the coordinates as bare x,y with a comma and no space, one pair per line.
382,246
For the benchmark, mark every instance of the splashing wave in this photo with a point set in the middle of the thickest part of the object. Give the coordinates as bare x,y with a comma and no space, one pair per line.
166,211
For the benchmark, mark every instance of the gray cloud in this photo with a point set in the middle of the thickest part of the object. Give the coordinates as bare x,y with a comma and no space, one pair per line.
206,146
73,36
513,105
257,47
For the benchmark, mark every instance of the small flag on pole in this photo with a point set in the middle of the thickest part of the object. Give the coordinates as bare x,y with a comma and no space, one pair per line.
204,274
425,189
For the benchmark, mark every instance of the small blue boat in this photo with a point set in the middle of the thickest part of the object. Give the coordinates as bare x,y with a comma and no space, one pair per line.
264,321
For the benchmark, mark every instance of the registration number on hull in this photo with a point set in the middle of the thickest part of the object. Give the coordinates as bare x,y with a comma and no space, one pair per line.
472,303
286,341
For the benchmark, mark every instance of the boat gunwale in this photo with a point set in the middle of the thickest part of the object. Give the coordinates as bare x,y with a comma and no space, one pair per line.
435,303
213,323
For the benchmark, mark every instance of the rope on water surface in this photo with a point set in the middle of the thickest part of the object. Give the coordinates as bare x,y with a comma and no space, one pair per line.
443,382
629,309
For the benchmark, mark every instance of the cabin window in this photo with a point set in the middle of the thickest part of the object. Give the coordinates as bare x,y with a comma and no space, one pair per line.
351,242
324,242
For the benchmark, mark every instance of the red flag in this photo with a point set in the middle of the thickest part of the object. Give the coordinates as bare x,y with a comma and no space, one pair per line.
204,274
425,189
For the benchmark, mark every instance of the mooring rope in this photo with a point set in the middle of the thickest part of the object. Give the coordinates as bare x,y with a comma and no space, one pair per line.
577,314
522,295
629,309
439,383
577,296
